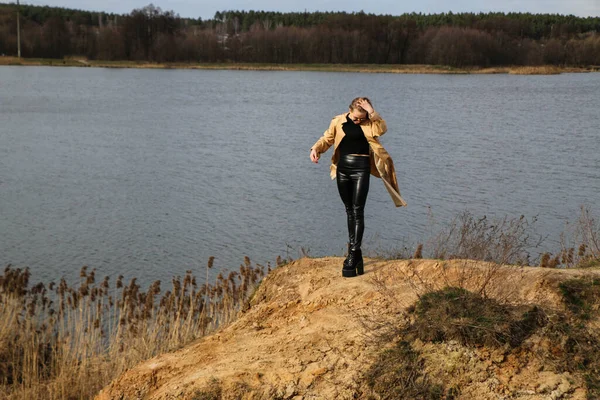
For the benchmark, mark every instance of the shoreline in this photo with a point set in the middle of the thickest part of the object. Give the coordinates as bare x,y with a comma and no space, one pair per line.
364,68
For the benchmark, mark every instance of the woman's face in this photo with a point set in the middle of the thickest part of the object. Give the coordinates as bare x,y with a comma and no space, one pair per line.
357,117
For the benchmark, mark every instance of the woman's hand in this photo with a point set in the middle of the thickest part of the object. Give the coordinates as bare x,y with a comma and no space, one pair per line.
314,157
366,106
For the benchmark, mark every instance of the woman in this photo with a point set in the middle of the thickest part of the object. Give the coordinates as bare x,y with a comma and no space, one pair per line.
357,154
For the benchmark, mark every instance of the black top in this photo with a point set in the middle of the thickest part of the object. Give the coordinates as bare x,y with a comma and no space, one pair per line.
354,142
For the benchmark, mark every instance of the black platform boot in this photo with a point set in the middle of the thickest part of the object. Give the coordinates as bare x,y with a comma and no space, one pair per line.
359,264
349,269
345,264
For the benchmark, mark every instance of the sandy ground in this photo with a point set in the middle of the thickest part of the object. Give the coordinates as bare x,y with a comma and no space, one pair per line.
310,334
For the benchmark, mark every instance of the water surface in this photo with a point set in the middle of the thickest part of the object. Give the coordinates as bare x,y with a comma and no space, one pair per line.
150,172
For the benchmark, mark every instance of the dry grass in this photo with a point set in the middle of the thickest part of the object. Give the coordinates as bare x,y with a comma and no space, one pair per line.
59,341
471,319
580,244
502,241
582,296
397,373
497,240
367,68
66,62
533,70
213,391
537,70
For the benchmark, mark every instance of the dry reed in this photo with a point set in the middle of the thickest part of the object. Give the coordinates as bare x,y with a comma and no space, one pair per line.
60,341
580,244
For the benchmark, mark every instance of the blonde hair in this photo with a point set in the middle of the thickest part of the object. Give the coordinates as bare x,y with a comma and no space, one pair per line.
354,104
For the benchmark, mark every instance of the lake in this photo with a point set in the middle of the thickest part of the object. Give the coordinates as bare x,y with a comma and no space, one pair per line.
147,173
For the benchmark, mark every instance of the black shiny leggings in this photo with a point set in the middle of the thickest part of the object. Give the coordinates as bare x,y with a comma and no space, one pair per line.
353,173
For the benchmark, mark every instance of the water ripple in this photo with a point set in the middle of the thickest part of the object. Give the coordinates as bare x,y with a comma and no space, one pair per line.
148,173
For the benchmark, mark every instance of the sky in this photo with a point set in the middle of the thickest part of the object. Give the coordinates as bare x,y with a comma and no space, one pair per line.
206,9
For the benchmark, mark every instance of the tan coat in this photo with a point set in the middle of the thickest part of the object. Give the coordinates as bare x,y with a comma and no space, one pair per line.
382,165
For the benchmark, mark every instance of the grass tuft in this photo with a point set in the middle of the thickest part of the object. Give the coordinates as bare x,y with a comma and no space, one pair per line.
582,296
213,391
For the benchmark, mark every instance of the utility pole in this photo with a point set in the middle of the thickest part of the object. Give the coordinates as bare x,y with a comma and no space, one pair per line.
18,29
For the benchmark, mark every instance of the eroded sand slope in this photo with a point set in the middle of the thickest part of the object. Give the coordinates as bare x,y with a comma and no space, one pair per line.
310,334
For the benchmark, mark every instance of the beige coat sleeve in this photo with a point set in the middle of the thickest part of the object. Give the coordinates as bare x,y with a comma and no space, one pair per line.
378,125
327,140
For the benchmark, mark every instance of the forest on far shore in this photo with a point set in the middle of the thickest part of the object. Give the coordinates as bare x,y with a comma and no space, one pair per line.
151,34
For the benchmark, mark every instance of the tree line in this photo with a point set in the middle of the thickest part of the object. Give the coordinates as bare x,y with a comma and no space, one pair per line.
151,34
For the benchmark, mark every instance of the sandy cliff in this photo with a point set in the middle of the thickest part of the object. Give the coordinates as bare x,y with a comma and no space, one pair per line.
311,334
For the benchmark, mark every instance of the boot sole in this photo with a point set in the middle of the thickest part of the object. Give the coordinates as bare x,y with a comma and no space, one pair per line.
348,273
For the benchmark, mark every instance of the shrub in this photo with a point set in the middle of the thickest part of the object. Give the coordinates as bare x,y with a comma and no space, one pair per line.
503,241
471,319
